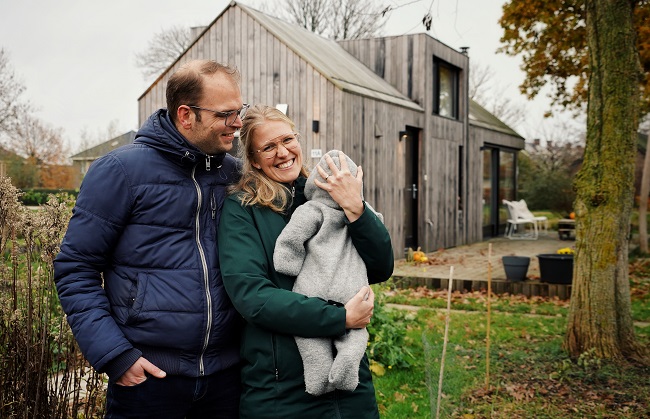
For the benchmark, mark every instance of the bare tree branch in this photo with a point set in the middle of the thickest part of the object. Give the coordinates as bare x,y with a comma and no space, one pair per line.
310,14
35,140
335,19
487,94
165,47
355,19
560,147
480,77
89,139
11,105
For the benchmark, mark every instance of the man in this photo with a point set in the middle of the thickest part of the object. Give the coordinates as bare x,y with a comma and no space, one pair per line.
138,272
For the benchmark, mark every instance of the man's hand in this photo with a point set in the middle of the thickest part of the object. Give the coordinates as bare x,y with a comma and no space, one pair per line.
136,373
358,310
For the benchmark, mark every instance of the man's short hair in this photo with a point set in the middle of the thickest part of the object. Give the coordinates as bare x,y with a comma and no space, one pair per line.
185,86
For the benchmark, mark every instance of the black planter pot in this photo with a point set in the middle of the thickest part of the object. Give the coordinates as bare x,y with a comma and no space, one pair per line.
516,267
556,268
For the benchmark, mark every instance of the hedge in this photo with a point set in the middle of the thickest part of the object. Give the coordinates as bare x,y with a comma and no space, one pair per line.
36,197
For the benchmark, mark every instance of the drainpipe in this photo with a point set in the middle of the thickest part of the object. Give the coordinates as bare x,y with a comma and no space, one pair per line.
464,51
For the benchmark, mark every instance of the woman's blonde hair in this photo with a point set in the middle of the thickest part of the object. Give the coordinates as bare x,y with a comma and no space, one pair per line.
255,187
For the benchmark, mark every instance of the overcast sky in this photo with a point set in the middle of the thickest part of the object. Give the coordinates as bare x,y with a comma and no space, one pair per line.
76,58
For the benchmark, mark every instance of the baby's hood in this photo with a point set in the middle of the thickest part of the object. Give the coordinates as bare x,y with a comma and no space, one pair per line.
313,192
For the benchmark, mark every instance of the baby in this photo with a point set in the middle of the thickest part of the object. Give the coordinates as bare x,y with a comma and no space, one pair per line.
316,247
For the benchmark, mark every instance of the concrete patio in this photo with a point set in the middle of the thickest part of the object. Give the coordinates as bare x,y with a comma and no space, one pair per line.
471,263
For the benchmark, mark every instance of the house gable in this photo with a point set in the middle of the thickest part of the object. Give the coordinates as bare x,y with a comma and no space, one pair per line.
372,99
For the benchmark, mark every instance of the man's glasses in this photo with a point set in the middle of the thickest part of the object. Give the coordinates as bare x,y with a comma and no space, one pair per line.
229,117
289,141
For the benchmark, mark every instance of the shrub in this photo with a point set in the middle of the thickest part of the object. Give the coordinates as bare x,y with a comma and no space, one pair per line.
36,197
387,346
546,173
42,374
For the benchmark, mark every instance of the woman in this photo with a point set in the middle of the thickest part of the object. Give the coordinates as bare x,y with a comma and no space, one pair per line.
253,217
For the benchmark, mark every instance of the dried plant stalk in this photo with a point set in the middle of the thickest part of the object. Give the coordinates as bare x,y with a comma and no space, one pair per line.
444,344
487,338
42,375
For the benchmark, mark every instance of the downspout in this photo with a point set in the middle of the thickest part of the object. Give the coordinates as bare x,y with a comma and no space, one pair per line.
466,150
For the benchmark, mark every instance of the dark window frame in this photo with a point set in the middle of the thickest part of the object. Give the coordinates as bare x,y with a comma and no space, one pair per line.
454,72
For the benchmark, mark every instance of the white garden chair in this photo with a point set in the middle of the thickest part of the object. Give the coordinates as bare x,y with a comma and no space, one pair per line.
516,224
523,212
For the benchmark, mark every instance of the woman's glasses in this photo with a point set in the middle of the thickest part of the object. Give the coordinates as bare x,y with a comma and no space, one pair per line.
289,141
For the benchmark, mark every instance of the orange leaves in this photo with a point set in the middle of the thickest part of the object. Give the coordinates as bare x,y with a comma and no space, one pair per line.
551,38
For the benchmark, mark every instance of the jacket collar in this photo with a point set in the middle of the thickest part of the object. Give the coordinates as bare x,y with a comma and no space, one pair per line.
160,133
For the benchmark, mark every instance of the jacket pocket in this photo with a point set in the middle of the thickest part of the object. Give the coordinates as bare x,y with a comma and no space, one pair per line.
136,297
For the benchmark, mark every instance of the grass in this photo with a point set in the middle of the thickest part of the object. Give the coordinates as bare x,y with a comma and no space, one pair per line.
530,374
476,301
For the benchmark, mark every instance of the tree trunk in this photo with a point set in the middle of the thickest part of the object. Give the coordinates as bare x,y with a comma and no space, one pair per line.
600,312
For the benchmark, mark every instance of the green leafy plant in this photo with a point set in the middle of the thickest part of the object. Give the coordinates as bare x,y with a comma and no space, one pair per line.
387,345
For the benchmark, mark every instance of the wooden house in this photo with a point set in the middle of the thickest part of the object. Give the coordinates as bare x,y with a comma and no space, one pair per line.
435,164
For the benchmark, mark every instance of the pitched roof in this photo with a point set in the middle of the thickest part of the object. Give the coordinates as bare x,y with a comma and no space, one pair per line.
342,69
331,60
103,148
325,55
481,117
349,74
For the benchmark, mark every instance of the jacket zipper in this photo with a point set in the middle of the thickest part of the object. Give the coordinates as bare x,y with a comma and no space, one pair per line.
213,205
204,264
275,358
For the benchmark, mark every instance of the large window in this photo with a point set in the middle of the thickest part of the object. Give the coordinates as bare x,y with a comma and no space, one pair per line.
446,89
499,180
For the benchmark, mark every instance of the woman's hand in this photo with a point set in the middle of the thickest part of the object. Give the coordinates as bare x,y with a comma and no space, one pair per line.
344,188
358,310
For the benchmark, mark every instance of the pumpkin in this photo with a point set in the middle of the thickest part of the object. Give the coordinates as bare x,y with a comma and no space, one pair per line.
419,256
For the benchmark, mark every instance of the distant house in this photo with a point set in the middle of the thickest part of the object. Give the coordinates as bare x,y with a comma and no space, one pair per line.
436,164
82,161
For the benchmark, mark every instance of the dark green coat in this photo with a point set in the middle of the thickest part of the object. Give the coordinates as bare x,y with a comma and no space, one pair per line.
272,373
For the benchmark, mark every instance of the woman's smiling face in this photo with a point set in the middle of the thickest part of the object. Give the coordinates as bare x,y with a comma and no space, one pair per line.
285,166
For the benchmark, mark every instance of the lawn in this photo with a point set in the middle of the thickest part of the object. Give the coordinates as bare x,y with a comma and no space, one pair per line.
530,375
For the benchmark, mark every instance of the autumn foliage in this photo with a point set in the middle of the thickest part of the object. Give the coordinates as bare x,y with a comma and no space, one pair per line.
551,39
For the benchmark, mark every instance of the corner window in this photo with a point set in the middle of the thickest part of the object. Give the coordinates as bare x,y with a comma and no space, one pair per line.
446,89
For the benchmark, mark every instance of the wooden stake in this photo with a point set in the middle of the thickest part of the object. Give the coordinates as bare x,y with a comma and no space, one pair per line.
444,345
487,339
